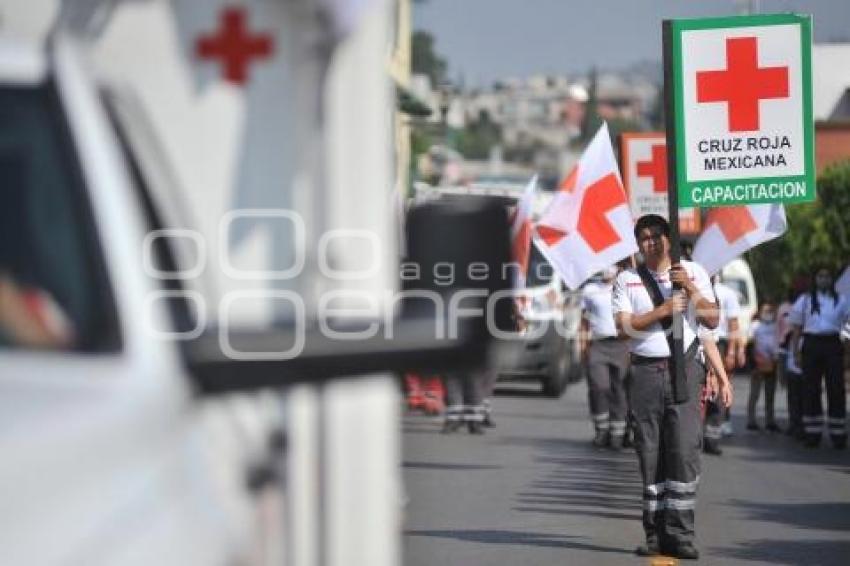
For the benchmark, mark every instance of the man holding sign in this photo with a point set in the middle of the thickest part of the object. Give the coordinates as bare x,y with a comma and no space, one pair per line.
667,431
739,131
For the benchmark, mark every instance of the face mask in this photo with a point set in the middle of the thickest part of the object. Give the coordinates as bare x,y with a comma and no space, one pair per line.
768,317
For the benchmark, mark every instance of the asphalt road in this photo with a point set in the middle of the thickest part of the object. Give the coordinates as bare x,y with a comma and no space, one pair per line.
533,491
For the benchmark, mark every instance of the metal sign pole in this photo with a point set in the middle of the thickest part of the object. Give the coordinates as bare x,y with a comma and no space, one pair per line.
677,355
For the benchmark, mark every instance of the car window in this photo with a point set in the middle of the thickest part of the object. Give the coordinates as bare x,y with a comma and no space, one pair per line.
54,293
740,288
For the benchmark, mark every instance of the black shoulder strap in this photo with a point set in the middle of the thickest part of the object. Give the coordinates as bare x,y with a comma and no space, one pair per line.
654,293
680,388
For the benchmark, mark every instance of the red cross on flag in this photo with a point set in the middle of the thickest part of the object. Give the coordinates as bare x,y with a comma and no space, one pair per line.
521,230
588,226
742,111
732,230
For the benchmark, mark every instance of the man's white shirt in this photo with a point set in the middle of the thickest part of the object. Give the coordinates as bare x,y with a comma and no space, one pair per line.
729,307
828,320
630,296
596,301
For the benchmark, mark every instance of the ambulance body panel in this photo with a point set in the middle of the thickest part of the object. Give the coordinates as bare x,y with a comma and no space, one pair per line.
106,451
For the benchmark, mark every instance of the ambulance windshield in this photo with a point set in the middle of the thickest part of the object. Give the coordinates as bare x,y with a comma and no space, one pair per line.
53,291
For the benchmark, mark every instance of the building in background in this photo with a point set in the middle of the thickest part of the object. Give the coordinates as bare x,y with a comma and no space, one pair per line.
831,86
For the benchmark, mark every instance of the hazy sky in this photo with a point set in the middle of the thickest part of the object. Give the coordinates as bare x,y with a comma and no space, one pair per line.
489,39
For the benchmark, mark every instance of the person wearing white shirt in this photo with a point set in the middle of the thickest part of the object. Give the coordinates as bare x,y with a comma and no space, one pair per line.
606,360
765,351
793,382
818,316
669,469
732,350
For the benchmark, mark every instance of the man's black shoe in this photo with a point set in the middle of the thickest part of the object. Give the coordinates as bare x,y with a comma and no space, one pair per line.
450,427
475,428
601,439
651,548
616,442
684,550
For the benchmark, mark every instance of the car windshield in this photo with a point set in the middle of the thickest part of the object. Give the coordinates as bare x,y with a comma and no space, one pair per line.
740,287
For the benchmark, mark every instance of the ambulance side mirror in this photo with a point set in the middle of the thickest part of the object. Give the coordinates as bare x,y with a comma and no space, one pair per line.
444,323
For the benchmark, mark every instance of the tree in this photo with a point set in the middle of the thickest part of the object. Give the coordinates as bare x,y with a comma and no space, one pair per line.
479,137
425,59
818,235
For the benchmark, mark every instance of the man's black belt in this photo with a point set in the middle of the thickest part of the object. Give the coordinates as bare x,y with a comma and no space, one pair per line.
829,336
639,360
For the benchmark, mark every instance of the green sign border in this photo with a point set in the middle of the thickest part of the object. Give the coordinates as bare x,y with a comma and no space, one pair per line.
683,185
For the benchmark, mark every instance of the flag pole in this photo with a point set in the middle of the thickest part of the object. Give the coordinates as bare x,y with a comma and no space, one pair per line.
677,355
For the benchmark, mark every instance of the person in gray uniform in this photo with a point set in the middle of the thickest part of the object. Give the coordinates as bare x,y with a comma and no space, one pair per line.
666,414
465,394
606,360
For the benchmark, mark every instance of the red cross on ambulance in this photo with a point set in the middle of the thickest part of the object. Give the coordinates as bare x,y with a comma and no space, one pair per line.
234,46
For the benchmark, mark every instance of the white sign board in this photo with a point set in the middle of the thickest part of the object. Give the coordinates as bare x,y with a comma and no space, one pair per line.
743,110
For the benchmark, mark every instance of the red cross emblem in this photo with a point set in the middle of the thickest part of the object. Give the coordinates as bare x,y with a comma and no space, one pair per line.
655,168
734,222
594,227
743,84
233,46
601,197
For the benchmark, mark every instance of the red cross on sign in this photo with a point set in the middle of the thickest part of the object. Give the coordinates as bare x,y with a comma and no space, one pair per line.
734,222
655,168
233,46
743,84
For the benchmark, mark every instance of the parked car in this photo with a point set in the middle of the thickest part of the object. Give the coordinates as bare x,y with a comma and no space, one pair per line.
548,318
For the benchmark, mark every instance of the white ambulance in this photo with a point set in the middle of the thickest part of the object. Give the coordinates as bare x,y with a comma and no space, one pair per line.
185,185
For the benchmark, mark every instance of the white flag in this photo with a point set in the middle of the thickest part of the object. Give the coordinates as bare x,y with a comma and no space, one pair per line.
731,230
588,226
